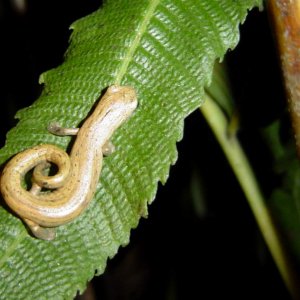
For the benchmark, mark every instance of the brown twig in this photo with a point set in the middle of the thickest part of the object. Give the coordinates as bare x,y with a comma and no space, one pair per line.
285,15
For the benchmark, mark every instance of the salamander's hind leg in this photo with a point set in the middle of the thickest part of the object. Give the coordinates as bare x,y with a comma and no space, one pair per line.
56,129
44,233
38,231
108,148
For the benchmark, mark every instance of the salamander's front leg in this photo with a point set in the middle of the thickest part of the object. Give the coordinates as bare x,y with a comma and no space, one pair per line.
40,232
56,129
108,148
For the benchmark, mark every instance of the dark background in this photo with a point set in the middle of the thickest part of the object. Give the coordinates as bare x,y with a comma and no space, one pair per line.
200,240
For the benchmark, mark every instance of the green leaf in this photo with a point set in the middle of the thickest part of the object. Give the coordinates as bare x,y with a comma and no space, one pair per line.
285,199
166,50
225,131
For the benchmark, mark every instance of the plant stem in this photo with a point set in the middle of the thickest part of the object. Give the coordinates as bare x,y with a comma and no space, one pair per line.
244,174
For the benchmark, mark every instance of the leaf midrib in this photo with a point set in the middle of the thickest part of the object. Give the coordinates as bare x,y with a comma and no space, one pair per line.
136,41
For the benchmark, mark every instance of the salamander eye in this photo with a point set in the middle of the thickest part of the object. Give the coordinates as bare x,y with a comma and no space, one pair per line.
113,89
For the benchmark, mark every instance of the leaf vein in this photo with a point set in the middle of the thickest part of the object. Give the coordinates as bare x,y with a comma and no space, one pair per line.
136,41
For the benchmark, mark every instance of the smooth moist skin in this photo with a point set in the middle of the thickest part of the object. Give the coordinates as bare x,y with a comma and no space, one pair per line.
75,182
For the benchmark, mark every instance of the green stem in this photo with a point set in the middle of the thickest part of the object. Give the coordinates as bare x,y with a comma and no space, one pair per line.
244,173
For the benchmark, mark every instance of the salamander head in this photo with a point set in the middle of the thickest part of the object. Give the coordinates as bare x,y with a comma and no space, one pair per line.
115,107
122,98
